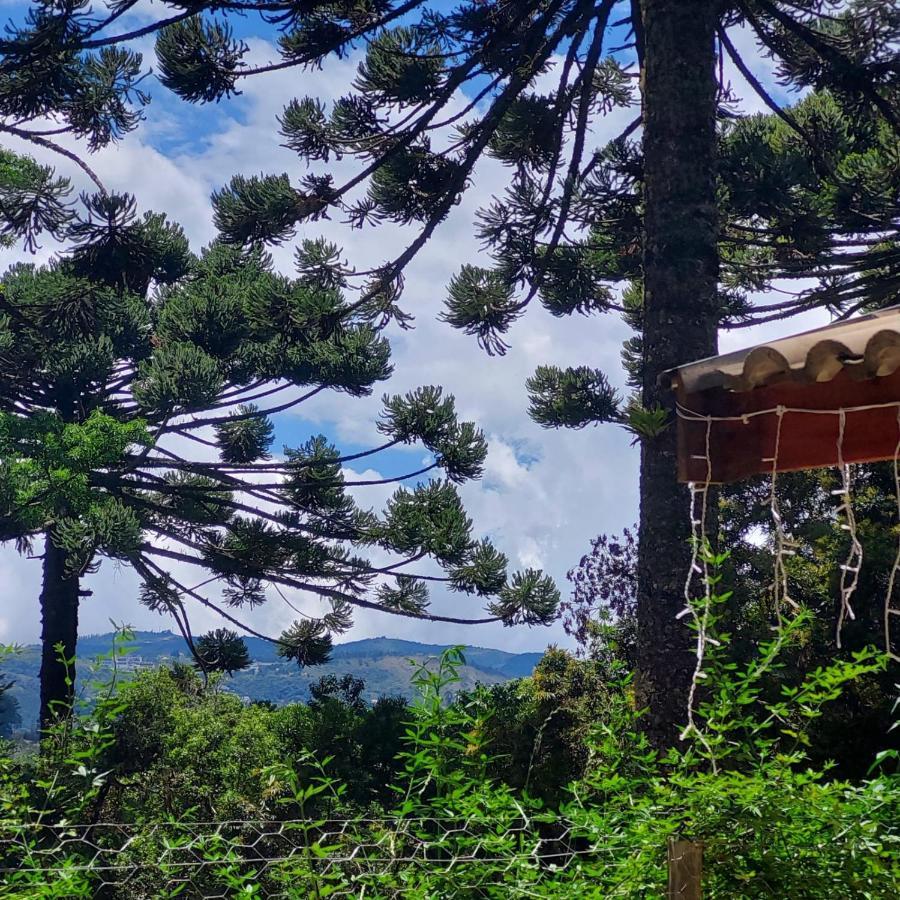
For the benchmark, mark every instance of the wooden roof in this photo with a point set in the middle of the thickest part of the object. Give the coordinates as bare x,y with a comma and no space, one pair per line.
867,347
778,406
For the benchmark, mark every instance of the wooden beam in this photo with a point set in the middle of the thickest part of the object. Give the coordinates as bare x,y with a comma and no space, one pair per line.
685,870
739,448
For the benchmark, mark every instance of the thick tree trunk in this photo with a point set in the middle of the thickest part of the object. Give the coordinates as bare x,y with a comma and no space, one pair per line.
59,626
680,280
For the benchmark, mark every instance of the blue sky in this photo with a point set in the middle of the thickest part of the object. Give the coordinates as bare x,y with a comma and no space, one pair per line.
545,494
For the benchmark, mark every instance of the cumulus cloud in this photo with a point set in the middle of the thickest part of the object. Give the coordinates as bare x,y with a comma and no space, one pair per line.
545,494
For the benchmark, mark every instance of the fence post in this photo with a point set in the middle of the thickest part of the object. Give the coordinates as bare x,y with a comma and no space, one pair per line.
685,870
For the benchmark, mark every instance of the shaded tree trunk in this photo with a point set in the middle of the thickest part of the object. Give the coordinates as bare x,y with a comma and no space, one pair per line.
679,324
59,626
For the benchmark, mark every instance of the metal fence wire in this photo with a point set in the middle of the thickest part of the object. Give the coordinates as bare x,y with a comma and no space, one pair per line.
334,858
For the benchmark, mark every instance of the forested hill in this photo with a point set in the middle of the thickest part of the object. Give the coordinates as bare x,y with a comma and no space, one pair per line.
383,663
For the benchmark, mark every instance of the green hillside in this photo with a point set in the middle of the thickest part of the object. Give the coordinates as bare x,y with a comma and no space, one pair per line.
383,663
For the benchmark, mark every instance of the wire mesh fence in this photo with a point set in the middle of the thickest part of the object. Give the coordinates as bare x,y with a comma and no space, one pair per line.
335,858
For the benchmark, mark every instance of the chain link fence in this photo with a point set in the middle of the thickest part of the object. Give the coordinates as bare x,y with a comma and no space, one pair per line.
335,858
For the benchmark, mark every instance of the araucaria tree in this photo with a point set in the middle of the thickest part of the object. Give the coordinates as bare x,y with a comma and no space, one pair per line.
657,223
137,382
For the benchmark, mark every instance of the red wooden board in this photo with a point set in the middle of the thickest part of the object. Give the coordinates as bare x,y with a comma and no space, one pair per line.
739,449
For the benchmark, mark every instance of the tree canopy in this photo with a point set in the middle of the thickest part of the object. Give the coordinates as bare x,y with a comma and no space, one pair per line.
807,192
137,385
677,222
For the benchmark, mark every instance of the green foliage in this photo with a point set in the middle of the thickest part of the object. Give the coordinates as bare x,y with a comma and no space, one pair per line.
221,650
429,519
337,796
304,126
198,58
92,91
851,730
46,469
572,279
400,68
410,185
113,349
530,597
810,192
743,786
571,398
600,616
484,574
32,200
425,415
744,718
537,729
10,715
246,438
644,423
306,642
822,175
525,136
482,302
257,209
115,246
407,594
804,192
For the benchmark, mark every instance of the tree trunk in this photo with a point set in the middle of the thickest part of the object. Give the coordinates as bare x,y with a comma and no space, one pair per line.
679,324
59,626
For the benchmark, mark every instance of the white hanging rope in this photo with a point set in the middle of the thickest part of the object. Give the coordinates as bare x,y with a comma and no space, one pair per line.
850,569
783,545
889,610
699,566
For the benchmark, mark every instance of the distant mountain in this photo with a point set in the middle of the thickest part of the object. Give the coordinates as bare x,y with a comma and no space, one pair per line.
383,663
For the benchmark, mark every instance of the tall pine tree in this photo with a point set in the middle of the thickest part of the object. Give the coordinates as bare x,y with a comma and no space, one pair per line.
137,386
576,222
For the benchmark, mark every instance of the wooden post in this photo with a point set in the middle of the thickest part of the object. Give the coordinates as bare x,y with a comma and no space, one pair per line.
685,870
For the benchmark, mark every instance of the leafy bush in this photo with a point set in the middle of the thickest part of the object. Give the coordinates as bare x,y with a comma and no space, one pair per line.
218,798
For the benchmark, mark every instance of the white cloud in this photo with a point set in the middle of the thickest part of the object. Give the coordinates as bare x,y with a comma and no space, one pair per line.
545,494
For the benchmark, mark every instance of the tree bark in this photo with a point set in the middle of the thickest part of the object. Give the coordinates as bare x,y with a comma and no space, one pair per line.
59,626
680,270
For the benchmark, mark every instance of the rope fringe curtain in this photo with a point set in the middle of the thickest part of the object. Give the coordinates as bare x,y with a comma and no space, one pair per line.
783,545
890,610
